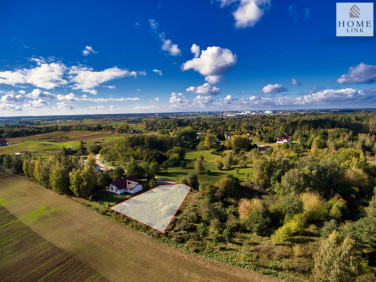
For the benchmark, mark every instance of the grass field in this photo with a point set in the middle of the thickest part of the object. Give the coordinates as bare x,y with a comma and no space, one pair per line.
27,256
114,251
210,163
53,142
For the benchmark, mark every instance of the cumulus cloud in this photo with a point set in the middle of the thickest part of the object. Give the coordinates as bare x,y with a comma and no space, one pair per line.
227,100
195,49
11,97
247,12
45,75
64,106
158,72
35,104
86,79
274,88
295,82
178,100
167,45
340,98
71,97
88,50
202,101
9,107
110,86
361,73
213,63
206,88
39,94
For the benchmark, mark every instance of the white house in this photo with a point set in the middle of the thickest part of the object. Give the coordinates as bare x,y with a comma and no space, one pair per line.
125,185
283,140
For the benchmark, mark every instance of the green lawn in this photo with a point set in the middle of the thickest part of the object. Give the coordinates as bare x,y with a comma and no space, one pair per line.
210,163
52,142
39,147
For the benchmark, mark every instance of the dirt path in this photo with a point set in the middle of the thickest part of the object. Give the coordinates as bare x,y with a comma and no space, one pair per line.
100,165
117,253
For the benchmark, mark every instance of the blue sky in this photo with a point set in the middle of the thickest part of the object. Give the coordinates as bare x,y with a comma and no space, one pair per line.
72,57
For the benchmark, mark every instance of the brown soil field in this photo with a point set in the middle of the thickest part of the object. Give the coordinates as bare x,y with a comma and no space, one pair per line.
114,251
27,256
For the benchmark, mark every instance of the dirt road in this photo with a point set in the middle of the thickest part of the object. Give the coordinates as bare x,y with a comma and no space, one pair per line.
114,251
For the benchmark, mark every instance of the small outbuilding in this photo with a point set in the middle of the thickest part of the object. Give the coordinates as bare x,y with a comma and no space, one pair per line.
123,185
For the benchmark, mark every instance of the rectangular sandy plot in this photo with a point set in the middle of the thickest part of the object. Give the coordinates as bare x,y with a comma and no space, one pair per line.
155,208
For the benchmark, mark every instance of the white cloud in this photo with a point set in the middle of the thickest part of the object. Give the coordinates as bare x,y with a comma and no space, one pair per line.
96,107
361,73
11,97
64,106
195,49
9,107
39,94
206,88
86,79
213,63
110,86
22,92
247,12
274,88
226,2
167,44
111,107
88,50
147,107
329,98
35,104
227,100
158,72
202,101
153,24
156,99
178,100
71,97
295,82
45,75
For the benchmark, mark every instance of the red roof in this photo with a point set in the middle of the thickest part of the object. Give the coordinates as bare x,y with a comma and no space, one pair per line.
122,183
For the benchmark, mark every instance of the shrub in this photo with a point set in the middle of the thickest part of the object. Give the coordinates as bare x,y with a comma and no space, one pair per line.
328,228
313,207
289,229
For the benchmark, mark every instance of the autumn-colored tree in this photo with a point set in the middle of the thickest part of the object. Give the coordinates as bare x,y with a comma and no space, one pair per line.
338,259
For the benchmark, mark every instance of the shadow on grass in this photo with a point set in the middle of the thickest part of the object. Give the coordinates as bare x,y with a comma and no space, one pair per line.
172,174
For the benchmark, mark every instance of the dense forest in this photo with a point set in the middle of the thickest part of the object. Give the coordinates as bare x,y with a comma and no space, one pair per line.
306,207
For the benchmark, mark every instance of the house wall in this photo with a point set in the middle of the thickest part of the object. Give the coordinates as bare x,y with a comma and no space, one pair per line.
112,188
137,189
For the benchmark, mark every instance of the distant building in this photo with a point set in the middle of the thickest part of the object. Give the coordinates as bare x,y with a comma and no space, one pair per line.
283,140
123,185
